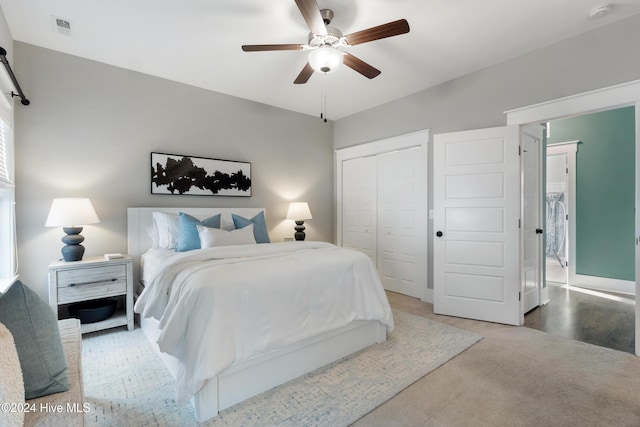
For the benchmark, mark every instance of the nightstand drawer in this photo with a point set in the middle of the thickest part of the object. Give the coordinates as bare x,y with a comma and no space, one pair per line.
88,291
83,276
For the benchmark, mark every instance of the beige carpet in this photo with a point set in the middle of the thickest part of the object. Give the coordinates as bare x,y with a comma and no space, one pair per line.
517,376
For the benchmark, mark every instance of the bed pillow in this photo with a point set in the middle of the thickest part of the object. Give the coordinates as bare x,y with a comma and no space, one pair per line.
189,239
259,226
165,230
226,223
212,237
11,385
35,331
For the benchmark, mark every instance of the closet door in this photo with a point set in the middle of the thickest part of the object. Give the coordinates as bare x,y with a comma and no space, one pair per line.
401,221
359,205
381,190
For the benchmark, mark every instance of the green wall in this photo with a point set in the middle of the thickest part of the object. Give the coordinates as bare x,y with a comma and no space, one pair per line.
605,190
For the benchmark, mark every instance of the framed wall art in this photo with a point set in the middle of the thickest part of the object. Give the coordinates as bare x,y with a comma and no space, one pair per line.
199,176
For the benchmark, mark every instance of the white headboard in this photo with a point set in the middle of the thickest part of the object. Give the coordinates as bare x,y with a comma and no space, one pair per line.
140,221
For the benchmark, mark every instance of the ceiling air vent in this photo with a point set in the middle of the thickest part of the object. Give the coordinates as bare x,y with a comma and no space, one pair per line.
62,26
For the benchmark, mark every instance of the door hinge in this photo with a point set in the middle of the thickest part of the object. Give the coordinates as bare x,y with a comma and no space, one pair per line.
519,150
567,171
566,263
519,296
518,223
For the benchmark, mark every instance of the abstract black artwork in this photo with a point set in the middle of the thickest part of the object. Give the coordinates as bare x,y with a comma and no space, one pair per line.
199,176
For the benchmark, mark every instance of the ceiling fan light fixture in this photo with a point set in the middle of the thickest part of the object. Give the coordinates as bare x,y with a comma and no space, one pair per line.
325,59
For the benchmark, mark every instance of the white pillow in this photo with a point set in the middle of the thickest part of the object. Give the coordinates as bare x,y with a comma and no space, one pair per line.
212,237
11,383
226,222
166,230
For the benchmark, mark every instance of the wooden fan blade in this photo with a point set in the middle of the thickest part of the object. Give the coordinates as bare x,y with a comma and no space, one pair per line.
360,66
304,75
389,29
264,47
311,13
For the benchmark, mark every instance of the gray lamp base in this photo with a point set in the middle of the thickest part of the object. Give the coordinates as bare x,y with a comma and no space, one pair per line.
299,235
73,250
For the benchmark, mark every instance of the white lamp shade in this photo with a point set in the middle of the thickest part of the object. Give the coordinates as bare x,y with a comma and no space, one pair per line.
70,212
299,211
325,59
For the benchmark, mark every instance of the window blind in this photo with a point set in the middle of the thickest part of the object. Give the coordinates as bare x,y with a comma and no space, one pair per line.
8,241
4,154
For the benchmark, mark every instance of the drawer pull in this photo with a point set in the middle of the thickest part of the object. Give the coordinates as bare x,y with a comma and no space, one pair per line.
91,283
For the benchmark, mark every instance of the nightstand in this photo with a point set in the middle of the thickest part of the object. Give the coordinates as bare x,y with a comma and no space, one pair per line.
93,278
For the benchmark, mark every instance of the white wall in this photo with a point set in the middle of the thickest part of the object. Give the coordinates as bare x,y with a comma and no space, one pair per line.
593,60
89,132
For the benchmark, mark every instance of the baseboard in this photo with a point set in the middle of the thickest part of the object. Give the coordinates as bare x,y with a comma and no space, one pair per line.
544,296
604,284
428,296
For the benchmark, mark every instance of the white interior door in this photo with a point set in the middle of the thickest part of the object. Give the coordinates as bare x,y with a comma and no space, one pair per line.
532,222
402,221
359,205
476,221
556,218
561,178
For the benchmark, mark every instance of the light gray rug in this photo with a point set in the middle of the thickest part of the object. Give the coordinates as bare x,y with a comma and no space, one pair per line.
127,384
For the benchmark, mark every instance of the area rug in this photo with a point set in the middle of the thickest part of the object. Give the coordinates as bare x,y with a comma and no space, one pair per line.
126,384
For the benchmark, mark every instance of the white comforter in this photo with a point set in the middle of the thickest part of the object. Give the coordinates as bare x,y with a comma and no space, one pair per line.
223,305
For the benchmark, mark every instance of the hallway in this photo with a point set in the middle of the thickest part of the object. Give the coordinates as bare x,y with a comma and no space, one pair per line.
599,318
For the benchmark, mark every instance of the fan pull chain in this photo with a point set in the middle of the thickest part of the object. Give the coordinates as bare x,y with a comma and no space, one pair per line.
323,99
325,107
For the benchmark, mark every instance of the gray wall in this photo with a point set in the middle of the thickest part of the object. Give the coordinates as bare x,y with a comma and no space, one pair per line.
89,132
91,127
596,59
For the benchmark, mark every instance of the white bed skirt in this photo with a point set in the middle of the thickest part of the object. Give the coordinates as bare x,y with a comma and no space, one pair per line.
249,378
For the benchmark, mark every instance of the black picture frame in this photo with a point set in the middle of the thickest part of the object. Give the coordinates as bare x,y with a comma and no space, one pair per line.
176,174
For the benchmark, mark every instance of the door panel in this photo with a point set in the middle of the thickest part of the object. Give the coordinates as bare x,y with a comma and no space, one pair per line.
475,185
359,204
477,210
487,254
531,140
472,219
475,152
401,209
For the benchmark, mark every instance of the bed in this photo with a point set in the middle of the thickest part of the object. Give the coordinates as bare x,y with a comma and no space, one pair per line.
311,303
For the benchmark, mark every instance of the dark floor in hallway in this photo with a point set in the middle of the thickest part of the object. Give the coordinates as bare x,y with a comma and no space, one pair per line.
602,319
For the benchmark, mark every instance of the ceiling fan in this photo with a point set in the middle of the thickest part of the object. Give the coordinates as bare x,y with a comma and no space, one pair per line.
326,43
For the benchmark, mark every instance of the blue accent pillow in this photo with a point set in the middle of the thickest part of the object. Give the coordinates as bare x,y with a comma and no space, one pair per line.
188,238
259,226
35,331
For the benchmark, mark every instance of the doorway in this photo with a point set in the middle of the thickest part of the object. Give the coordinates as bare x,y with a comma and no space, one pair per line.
560,211
556,219
600,100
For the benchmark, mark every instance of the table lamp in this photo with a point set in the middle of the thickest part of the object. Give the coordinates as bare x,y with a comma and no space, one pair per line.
299,211
72,214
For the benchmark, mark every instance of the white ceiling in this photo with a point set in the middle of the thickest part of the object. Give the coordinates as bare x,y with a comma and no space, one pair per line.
198,41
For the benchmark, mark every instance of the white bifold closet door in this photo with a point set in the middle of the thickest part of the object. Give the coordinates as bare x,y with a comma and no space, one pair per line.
384,214
359,205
